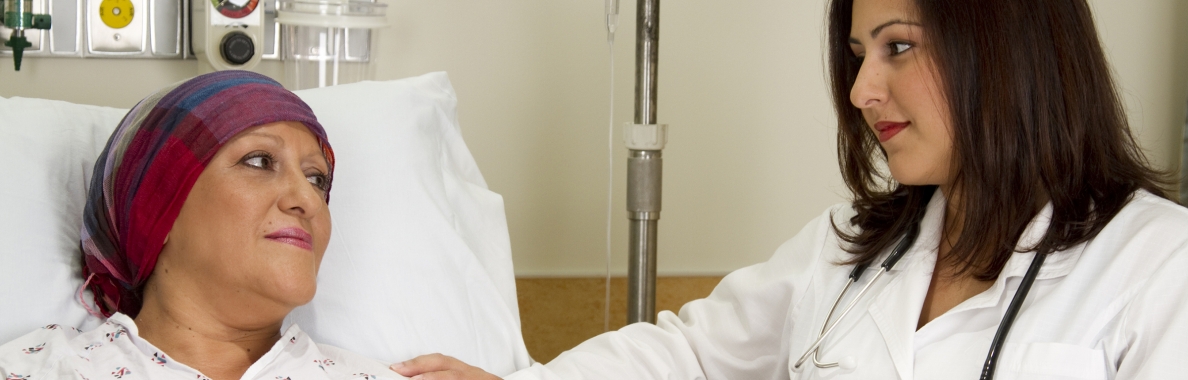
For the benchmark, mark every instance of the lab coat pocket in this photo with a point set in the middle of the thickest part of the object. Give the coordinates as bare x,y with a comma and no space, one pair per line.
1059,361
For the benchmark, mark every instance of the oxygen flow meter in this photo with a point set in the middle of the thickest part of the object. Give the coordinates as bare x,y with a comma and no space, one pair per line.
18,16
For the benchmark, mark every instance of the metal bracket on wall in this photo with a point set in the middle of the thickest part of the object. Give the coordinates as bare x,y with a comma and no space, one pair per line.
109,28
154,29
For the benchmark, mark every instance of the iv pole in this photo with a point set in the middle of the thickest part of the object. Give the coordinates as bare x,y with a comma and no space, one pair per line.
646,140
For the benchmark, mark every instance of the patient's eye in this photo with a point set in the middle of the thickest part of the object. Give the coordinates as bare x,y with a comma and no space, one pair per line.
259,160
319,180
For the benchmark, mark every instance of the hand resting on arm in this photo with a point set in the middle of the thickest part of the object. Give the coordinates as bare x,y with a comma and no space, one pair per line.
440,367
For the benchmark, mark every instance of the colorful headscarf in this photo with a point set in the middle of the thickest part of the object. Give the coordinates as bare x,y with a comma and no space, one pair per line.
151,162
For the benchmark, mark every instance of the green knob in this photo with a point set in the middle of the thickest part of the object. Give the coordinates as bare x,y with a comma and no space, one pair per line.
18,45
41,22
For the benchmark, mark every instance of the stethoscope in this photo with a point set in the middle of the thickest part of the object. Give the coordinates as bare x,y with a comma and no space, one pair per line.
908,239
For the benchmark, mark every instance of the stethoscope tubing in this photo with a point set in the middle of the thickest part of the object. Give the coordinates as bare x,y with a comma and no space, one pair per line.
813,349
825,324
908,239
1008,319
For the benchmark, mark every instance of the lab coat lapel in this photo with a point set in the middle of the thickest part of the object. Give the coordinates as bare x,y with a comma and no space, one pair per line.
896,311
896,308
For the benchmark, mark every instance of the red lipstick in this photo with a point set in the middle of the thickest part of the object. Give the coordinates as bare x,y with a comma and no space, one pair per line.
888,129
293,236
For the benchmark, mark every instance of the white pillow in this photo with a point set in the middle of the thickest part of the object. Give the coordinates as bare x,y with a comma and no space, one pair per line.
49,149
419,259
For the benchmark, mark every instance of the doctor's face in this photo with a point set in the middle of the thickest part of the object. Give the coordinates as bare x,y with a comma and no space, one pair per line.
899,92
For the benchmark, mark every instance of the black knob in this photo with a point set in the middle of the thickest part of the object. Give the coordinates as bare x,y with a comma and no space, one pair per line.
237,48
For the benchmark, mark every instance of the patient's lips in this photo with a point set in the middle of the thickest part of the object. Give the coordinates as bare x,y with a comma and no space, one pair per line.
293,236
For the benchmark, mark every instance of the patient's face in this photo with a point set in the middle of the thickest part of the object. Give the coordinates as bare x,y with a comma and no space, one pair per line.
252,231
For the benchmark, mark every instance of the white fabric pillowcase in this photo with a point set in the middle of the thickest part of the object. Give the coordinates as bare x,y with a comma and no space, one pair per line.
419,259
419,254
48,148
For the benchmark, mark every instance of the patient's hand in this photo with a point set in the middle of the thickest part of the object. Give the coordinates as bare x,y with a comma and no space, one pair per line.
440,367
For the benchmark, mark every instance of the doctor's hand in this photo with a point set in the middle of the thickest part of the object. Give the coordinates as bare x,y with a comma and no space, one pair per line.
440,367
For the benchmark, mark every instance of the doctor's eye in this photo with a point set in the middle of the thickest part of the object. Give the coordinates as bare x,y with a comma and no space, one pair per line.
898,48
259,160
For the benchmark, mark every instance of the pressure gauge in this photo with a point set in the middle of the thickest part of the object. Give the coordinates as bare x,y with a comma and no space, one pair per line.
235,8
116,14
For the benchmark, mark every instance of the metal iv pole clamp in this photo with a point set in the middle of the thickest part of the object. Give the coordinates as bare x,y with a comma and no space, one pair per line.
644,174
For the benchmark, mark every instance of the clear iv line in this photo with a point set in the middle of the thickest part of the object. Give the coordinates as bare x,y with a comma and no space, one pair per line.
612,19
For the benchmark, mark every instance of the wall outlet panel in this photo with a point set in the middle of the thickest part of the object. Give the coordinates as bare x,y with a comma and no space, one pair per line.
67,22
165,28
117,27
156,29
153,29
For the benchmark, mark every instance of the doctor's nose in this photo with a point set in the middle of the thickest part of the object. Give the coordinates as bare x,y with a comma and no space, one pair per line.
870,89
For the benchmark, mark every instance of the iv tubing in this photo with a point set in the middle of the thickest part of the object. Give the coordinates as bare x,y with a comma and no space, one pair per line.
612,18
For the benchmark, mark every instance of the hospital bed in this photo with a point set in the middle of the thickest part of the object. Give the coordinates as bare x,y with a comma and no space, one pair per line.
419,259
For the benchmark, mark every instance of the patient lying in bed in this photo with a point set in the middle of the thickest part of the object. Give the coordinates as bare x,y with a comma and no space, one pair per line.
205,225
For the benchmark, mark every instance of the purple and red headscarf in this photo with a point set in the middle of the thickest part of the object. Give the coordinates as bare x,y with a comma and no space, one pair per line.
151,162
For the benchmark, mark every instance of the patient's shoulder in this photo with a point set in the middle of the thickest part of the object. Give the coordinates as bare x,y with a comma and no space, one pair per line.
36,354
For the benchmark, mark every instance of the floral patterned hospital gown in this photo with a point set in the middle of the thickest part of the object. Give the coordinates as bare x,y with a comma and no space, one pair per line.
115,351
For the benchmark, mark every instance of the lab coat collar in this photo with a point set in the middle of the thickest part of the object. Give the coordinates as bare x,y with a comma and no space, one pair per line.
1057,264
930,232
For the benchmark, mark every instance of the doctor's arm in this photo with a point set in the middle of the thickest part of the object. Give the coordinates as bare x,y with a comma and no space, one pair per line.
739,331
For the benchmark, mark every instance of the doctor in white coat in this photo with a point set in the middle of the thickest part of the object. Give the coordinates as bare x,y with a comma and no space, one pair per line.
1010,158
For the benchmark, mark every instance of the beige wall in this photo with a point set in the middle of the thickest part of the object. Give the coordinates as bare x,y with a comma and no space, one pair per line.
751,155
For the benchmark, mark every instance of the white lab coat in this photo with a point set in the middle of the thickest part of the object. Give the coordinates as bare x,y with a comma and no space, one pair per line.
1115,307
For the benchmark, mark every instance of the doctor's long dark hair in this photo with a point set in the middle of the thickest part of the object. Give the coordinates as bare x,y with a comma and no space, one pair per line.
1035,116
